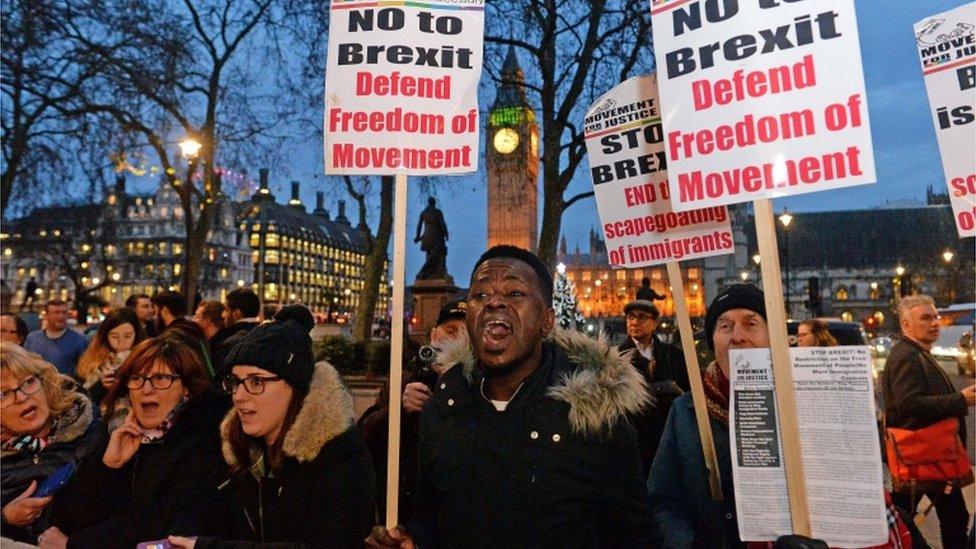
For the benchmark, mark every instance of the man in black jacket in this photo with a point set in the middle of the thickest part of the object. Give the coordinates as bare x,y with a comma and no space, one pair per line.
241,310
525,442
663,367
918,393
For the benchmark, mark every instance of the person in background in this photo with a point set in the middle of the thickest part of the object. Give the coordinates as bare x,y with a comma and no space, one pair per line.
662,366
814,333
115,338
268,312
918,393
158,471
241,310
13,329
646,293
209,316
300,475
143,306
45,423
56,342
419,383
171,309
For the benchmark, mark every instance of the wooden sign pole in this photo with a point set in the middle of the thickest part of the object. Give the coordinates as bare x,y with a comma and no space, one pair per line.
396,348
782,366
694,379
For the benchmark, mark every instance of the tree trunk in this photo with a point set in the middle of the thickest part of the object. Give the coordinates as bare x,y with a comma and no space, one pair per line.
375,260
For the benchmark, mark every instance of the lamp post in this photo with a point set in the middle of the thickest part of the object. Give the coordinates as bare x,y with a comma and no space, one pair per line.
785,219
950,296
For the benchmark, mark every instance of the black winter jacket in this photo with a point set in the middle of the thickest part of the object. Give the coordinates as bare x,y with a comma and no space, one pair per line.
224,340
162,490
77,435
559,467
668,382
917,393
323,497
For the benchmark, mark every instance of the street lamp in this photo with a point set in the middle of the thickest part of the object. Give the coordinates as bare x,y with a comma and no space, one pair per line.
190,147
785,219
947,256
899,270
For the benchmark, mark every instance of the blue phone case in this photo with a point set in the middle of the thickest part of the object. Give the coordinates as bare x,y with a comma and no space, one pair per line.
158,544
56,481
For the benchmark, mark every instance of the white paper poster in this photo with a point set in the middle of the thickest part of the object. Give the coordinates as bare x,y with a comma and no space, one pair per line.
761,99
839,437
947,51
401,87
630,180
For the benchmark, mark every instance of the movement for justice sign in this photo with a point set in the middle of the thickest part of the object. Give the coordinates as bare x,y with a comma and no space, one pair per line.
947,49
625,146
761,98
401,88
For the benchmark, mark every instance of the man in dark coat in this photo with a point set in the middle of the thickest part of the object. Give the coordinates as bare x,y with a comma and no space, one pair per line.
241,310
663,367
525,442
918,393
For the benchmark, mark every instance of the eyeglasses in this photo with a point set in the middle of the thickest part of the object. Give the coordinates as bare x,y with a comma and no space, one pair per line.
254,385
27,388
636,317
158,381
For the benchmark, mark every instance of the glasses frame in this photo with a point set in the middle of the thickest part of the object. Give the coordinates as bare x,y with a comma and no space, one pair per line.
238,382
20,389
171,377
631,317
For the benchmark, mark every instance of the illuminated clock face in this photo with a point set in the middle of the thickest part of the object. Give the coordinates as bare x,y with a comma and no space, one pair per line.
505,140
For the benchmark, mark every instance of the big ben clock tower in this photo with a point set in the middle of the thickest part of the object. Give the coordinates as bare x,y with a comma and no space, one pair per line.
513,163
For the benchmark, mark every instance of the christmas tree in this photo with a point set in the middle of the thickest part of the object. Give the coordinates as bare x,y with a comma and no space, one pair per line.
564,303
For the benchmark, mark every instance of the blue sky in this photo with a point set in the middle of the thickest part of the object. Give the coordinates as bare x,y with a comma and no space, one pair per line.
906,153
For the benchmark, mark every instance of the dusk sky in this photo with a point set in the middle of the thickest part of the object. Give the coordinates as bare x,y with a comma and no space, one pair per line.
905,149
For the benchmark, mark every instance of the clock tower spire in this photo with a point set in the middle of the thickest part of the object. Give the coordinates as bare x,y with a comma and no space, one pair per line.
513,162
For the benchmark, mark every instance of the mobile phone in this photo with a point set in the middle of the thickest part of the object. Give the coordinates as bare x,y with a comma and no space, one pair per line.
158,544
56,481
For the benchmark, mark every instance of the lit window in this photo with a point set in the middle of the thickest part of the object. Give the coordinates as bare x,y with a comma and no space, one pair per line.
841,294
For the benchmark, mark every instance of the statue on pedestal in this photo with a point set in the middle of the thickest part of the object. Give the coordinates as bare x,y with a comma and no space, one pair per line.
432,236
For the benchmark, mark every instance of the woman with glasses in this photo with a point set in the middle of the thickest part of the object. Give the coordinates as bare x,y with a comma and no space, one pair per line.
300,474
45,423
159,470
116,336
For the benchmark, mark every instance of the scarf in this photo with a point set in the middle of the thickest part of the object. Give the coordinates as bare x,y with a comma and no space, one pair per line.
10,443
149,436
716,393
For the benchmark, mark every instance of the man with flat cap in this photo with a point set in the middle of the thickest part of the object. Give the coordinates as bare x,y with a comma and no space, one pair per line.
663,367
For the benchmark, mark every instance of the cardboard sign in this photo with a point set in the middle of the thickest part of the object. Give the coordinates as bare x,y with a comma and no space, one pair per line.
762,98
625,145
401,88
947,50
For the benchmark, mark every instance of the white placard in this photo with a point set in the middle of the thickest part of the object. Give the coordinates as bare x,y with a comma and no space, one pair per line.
839,436
624,142
762,98
401,87
947,51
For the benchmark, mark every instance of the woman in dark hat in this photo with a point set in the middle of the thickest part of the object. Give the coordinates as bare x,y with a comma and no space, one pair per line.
299,472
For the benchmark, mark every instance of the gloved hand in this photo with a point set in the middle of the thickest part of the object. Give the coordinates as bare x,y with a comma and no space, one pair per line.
799,542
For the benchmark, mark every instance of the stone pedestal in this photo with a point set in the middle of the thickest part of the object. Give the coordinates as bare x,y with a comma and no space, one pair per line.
428,298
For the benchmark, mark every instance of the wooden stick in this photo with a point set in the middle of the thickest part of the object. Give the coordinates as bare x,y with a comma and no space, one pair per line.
695,379
396,348
782,366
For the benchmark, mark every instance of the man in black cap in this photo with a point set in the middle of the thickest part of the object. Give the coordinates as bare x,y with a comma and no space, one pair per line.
663,367
678,483
448,330
525,441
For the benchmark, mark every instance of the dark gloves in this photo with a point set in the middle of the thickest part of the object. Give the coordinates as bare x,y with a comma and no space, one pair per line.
799,542
665,389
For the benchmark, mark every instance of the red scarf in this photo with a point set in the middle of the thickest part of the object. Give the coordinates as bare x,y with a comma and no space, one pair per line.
716,393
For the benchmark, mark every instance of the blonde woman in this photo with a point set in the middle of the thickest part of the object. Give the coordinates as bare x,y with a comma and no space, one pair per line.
45,422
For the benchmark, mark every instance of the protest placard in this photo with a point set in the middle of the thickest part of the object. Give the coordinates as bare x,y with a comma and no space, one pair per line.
947,51
401,87
838,429
760,99
625,146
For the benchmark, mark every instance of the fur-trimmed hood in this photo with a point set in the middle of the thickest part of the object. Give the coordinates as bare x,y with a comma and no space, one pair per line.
603,388
326,413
